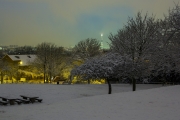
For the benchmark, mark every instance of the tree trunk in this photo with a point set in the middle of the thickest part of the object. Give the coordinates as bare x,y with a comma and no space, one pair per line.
134,84
47,78
70,81
44,73
1,77
11,78
50,76
88,81
109,85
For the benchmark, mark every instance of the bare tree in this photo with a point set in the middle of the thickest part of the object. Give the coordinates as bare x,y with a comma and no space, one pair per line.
88,48
9,69
49,56
84,50
3,67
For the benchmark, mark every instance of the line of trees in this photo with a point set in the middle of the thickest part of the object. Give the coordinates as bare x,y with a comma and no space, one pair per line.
144,47
150,44
52,60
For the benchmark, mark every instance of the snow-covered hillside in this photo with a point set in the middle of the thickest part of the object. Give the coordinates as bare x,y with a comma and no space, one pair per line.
91,102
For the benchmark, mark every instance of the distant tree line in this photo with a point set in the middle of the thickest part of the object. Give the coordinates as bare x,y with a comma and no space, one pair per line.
22,50
144,48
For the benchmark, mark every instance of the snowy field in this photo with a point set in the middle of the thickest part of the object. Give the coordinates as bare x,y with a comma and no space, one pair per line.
91,102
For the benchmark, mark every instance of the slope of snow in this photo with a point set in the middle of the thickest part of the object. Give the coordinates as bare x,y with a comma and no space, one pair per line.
91,102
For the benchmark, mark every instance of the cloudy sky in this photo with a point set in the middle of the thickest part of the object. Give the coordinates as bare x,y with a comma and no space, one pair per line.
65,22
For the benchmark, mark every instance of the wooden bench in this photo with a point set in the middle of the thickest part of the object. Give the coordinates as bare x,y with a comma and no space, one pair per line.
39,100
18,101
23,101
10,101
4,99
32,99
3,102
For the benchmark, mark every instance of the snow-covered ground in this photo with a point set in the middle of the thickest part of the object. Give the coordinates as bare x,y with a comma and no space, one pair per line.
91,102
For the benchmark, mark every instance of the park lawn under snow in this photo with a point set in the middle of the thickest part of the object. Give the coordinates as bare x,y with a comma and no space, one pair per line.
91,102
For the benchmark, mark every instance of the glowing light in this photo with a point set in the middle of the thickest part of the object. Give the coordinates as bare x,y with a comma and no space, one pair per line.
101,41
21,63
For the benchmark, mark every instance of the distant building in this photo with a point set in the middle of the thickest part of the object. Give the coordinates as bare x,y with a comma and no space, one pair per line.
16,68
21,60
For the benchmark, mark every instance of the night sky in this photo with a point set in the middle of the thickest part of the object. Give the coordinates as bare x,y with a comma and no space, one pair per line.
65,22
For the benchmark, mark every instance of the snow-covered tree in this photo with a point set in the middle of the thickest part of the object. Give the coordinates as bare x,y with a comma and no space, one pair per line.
174,17
109,66
165,60
137,37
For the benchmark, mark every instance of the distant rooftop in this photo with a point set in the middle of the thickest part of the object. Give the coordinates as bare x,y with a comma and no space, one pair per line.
25,59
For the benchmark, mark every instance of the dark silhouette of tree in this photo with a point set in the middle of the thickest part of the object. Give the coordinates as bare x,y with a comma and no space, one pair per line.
49,57
136,39
9,69
23,50
85,50
88,48
167,58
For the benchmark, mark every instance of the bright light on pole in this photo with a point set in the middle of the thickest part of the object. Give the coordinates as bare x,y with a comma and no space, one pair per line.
101,40
101,34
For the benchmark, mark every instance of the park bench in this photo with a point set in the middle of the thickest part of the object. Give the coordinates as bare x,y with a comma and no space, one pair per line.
11,101
23,101
31,99
18,101
3,102
4,99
